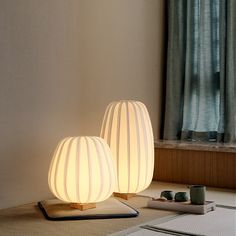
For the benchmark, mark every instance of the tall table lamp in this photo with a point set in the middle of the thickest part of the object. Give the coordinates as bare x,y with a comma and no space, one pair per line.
128,131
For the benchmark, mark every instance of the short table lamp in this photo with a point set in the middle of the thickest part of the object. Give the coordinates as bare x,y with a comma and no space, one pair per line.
127,129
82,172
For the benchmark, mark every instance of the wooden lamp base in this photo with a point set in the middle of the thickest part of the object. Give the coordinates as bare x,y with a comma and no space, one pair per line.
125,196
83,206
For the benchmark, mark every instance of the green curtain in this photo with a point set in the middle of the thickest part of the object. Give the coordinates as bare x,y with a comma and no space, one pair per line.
201,71
229,68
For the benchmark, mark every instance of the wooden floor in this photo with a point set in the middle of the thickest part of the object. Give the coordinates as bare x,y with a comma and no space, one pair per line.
210,168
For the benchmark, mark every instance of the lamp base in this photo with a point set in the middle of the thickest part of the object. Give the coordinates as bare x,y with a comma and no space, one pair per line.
83,206
55,209
125,196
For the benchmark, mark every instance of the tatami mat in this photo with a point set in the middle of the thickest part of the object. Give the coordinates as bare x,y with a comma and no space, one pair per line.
27,220
221,222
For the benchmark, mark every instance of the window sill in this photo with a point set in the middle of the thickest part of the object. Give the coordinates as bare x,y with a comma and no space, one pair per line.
197,146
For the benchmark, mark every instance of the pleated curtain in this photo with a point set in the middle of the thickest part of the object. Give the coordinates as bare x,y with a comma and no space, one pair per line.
201,71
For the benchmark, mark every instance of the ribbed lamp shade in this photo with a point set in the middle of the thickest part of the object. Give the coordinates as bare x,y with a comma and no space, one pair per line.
127,129
82,170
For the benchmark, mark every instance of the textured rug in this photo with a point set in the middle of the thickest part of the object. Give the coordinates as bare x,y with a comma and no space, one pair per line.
28,220
220,222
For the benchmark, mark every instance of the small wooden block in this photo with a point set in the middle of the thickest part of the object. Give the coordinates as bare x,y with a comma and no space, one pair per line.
125,196
83,207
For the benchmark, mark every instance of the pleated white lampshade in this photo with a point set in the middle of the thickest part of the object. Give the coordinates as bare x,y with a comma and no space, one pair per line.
127,129
82,170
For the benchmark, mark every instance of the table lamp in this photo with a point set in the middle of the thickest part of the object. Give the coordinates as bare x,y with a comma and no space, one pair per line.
82,172
127,129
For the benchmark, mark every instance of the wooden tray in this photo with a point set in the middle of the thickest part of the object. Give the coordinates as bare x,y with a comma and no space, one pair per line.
182,206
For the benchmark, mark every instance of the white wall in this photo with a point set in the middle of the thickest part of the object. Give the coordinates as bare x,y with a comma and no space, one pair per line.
61,63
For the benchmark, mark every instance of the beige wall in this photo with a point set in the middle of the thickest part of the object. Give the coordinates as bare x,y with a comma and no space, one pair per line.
61,63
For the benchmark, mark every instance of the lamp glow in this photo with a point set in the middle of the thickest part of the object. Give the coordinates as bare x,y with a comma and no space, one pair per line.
82,171
127,129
